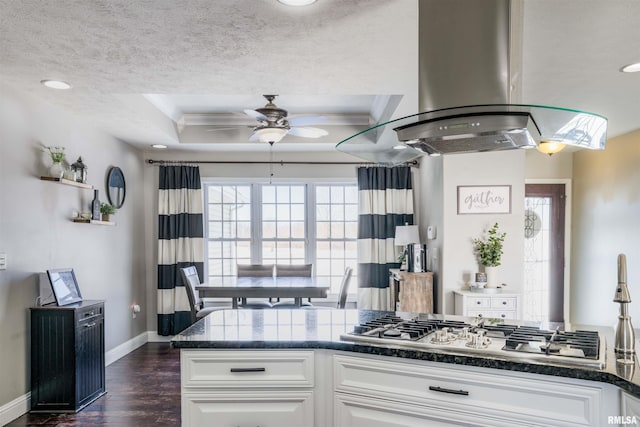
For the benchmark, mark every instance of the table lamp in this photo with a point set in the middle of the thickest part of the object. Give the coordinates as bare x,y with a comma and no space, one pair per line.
407,235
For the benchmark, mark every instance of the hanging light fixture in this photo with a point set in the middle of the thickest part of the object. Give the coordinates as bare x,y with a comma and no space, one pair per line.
271,134
550,147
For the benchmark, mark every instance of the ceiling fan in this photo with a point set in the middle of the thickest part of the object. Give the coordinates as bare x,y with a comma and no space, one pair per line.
274,124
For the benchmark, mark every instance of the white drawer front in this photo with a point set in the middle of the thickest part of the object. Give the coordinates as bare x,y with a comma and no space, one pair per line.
478,302
492,314
359,411
261,409
543,401
505,303
246,369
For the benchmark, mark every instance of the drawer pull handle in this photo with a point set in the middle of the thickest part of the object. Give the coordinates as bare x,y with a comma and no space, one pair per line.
478,302
503,315
90,325
504,303
248,369
448,390
89,314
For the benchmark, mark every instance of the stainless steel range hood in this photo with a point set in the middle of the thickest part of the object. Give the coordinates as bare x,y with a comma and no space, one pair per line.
465,49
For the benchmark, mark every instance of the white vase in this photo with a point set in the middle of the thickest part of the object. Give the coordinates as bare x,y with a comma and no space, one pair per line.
492,276
56,170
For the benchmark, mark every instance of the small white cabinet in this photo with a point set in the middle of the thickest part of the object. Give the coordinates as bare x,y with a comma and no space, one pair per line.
257,388
476,304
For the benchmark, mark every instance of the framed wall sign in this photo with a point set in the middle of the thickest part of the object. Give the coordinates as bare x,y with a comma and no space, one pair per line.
484,199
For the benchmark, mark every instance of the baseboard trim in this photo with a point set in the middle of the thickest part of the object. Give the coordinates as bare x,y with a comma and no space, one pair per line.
125,348
15,409
152,336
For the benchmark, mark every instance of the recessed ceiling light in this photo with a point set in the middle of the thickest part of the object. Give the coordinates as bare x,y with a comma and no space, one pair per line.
56,84
631,68
297,2
399,147
159,146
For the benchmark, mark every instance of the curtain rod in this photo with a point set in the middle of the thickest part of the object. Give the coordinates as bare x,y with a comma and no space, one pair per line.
281,162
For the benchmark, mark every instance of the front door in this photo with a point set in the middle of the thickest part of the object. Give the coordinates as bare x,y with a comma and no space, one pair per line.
544,232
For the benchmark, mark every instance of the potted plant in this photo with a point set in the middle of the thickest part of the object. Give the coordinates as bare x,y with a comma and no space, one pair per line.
107,209
489,253
56,170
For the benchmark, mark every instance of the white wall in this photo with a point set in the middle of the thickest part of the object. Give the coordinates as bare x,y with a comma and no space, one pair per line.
457,262
606,222
36,232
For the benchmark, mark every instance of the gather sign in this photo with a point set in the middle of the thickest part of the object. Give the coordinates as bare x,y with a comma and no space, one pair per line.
479,199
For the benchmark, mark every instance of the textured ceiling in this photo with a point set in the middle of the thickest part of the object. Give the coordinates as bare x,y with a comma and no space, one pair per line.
332,57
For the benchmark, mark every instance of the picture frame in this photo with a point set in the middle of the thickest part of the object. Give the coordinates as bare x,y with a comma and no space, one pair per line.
64,285
484,199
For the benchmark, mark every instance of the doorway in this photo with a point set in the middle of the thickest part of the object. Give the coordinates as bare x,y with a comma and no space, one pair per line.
544,252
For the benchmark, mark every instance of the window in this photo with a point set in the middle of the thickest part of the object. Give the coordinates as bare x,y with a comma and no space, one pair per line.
283,224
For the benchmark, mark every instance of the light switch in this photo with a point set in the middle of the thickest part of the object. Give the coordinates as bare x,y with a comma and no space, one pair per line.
3,261
431,232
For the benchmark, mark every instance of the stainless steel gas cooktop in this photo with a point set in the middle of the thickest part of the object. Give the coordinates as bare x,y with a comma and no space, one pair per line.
482,337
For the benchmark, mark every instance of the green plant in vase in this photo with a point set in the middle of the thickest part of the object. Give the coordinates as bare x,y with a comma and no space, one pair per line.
489,252
56,170
107,209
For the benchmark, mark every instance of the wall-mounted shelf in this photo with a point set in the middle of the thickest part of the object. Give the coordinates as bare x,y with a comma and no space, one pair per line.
93,221
67,182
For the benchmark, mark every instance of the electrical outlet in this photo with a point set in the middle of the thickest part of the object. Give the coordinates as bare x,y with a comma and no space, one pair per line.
431,232
3,261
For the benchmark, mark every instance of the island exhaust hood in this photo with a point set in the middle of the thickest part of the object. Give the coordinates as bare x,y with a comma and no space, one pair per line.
464,57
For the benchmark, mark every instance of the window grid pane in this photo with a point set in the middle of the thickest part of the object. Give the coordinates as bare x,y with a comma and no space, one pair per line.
283,228
228,229
336,232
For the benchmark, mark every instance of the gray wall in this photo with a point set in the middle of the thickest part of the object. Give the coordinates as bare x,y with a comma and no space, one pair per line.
606,222
36,232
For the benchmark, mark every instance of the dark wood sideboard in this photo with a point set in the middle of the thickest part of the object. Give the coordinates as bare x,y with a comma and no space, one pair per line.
67,356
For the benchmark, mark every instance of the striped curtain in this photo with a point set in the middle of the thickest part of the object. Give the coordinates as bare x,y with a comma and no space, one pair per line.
180,243
385,200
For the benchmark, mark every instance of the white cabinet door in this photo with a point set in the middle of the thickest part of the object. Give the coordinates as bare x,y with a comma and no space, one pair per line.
248,409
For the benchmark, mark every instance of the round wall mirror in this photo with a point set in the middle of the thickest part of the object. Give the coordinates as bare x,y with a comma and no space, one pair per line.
116,187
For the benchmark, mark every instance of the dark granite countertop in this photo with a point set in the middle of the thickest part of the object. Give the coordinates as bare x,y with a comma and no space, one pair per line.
321,329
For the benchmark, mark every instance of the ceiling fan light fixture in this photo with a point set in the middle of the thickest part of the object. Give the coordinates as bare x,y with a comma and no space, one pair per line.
270,134
550,147
297,2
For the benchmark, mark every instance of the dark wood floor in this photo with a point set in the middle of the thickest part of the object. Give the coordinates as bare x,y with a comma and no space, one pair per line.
143,389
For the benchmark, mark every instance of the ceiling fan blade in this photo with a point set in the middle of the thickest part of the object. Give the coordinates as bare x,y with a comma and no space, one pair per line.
308,132
307,120
254,137
256,115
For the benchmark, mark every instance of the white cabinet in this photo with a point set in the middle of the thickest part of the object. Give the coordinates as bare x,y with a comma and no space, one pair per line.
475,304
247,388
371,390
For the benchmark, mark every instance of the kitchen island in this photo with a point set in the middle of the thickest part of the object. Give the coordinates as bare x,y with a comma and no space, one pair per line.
276,367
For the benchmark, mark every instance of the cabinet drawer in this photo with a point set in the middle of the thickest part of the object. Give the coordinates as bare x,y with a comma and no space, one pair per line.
88,314
532,400
240,369
478,302
508,303
263,409
492,314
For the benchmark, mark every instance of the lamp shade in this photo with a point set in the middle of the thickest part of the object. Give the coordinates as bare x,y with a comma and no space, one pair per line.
271,134
406,234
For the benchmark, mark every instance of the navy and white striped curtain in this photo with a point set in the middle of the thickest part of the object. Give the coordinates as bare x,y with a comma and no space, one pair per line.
180,243
385,200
